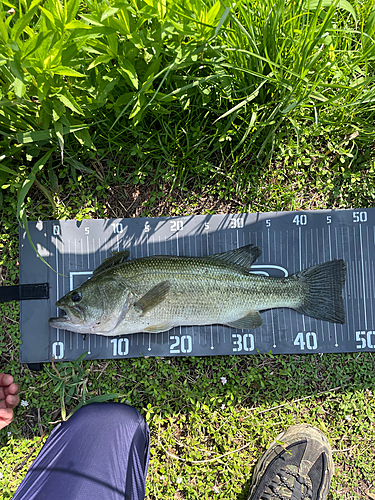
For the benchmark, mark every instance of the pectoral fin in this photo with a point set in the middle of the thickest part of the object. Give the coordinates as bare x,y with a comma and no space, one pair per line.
153,297
162,327
251,320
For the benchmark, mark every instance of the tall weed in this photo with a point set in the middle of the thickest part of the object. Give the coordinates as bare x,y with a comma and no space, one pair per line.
242,72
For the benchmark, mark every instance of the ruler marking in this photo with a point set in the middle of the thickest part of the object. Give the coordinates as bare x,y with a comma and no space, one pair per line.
363,276
94,253
330,258
88,252
317,261
329,242
278,311
281,247
368,281
351,281
300,267
343,246
300,248
337,255
357,271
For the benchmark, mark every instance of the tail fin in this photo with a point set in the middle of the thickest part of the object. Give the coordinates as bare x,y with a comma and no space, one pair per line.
325,283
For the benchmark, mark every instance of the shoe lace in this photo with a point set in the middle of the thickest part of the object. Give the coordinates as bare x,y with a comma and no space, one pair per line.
283,482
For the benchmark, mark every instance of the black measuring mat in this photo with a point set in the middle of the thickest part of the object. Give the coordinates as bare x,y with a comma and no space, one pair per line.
289,241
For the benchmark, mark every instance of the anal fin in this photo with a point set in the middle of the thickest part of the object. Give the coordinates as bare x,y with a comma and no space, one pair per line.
251,320
162,327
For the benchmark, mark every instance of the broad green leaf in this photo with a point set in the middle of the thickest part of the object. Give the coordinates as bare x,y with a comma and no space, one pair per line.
213,12
84,138
80,359
3,29
162,8
108,13
13,45
49,16
99,60
72,9
92,33
249,98
341,4
126,66
60,12
60,385
222,20
136,108
33,44
152,69
80,166
68,100
34,3
106,87
19,88
119,26
23,21
8,170
370,24
91,20
123,20
44,135
65,71
54,377
16,69
73,25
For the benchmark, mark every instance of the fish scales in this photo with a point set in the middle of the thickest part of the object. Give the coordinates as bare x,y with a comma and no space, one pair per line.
208,291
154,294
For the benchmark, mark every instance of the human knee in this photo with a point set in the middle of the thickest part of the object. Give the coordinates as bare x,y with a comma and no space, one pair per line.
103,414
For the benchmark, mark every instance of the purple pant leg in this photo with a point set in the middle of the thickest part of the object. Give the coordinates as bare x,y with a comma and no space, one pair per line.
101,452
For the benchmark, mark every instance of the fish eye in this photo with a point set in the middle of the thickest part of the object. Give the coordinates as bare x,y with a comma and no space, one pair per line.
76,297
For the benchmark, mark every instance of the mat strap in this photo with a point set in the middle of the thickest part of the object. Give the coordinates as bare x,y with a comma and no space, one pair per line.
24,292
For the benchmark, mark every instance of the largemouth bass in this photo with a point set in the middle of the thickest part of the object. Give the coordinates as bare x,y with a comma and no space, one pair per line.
154,294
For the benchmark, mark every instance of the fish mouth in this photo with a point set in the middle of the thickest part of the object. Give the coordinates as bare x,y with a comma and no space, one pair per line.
59,322
73,316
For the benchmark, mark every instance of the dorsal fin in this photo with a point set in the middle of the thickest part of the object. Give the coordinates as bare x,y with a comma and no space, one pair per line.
116,259
242,257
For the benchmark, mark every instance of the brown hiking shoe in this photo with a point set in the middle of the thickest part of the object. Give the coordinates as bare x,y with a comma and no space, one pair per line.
300,468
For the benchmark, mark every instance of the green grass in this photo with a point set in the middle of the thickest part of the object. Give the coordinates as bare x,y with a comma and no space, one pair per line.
189,108
179,91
